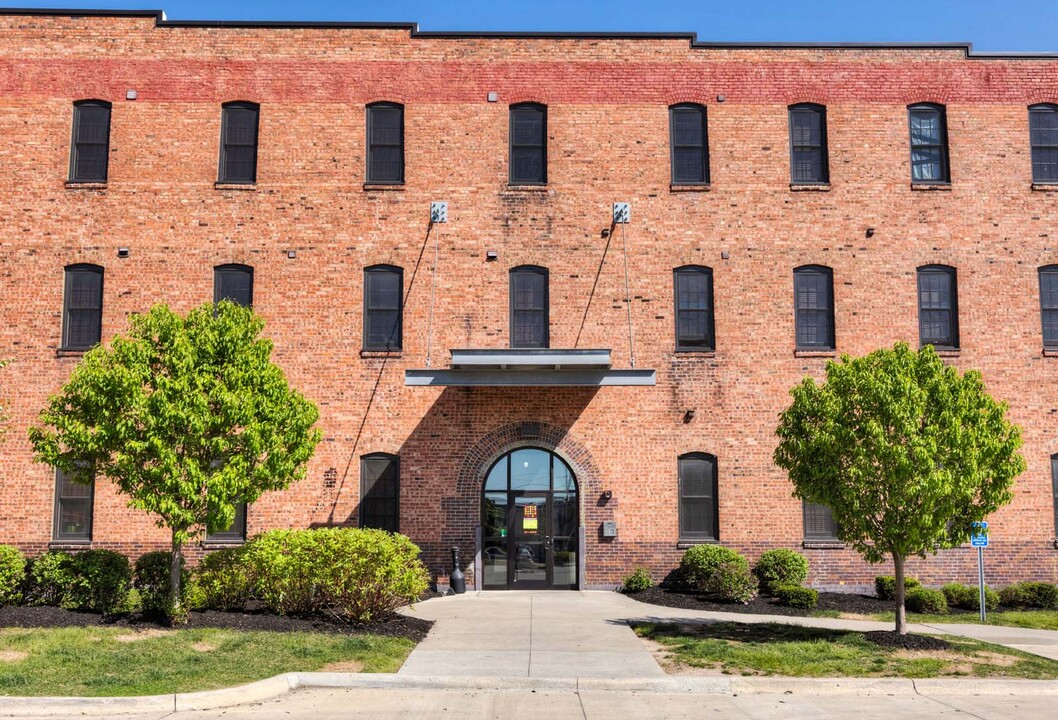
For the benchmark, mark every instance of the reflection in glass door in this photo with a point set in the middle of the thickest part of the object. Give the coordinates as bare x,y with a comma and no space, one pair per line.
530,522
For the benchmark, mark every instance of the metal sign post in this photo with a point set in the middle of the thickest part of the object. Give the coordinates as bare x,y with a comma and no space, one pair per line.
979,540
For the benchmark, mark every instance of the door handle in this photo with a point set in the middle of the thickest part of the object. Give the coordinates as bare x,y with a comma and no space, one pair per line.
547,542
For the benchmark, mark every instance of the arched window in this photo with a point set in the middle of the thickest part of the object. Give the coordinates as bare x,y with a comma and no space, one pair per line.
1043,141
699,511
238,142
82,315
929,143
380,491
383,307
528,141
808,144
814,307
689,144
233,282
90,147
529,307
694,308
385,143
938,307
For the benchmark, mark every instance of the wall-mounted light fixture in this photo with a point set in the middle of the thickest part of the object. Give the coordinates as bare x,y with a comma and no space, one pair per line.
688,416
291,254
491,256
493,96
131,94
870,232
123,252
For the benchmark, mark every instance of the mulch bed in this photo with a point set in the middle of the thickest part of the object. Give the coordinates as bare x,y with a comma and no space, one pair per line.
889,638
761,605
253,619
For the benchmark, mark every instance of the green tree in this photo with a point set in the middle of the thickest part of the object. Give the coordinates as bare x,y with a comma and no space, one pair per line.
904,450
187,416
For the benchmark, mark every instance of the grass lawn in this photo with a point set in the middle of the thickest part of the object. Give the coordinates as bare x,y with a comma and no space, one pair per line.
776,649
120,661
1037,619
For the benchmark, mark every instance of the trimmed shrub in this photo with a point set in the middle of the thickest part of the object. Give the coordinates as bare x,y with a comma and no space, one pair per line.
968,597
700,562
925,600
151,579
797,596
12,575
359,573
780,567
224,580
101,580
638,581
1030,594
49,578
885,586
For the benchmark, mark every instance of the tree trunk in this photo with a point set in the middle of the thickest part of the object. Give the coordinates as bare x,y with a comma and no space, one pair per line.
901,617
174,579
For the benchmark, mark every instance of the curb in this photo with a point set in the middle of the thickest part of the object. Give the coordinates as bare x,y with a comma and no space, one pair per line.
274,687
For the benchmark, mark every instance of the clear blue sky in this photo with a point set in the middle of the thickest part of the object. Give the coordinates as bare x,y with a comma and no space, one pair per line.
991,25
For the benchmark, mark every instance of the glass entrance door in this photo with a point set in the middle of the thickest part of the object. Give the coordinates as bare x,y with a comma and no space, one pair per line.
530,520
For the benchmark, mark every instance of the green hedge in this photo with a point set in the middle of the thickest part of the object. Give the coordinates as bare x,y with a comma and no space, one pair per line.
90,580
796,596
719,571
151,579
968,597
12,575
361,574
637,581
885,586
925,600
224,579
780,567
1029,594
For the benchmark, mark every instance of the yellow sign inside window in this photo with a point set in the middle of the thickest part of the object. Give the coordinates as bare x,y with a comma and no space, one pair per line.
530,520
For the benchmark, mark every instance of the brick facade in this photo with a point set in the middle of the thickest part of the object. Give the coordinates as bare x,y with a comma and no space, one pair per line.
608,140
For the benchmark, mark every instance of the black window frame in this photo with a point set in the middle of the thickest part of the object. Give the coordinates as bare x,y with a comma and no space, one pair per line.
1054,490
61,479
534,270
709,345
945,167
364,511
512,146
1045,310
219,271
953,310
387,347
699,537
825,516
68,278
76,145
1035,111
802,272
822,148
700,110
372,143
224,174
236,532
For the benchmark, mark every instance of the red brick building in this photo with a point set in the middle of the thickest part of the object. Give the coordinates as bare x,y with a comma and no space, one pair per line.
906,192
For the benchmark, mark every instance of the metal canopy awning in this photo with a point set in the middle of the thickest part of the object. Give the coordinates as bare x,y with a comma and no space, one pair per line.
529,367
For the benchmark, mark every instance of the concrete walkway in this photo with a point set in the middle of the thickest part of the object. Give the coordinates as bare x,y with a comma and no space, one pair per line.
586,634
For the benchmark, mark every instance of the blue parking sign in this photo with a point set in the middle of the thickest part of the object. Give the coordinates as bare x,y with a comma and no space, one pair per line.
979,535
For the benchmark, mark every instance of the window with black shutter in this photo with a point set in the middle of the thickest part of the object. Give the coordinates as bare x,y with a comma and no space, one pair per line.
1054,488
383,295
938,322
529,307
1049,305
808,145
694,308
689,145
380,492
528,144
236,533
238,142
819,523
233,282
385,143
1043,140
82,317
929,144
90,150
814,307
699,516
73,509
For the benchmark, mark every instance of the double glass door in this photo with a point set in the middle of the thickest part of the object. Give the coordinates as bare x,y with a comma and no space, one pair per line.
529,524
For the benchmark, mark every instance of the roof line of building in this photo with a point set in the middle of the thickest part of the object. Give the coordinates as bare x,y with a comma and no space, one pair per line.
413,29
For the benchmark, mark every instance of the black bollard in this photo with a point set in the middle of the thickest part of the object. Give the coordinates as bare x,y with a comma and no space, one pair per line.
457,580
